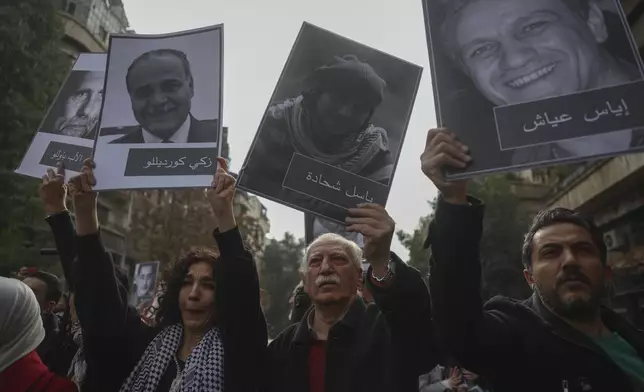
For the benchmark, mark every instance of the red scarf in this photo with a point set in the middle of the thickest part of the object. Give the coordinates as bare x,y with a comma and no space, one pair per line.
30,374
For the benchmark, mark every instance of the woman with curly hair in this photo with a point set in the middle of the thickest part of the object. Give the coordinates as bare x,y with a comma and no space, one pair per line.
209,332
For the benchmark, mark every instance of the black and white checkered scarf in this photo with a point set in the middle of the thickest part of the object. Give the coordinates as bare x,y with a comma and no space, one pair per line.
203,372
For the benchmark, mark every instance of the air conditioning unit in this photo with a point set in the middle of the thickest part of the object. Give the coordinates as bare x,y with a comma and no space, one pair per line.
614,239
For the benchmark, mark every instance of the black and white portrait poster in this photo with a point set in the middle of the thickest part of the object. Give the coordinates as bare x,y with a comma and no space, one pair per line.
160,123
67,132
145,282
334,127
533,83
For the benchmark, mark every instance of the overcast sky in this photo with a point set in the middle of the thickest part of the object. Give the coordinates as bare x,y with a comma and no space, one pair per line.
258,36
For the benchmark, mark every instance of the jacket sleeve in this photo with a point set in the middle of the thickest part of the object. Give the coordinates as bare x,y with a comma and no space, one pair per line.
470,334
406,306
101,300
64,233
238,302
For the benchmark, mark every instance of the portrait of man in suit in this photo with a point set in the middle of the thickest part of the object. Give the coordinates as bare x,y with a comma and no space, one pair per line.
161,87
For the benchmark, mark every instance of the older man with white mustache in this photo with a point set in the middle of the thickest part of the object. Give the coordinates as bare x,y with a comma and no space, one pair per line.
343,344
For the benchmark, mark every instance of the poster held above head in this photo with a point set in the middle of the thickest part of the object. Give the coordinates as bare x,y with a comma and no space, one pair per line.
331,136
529,84
67,131
160,124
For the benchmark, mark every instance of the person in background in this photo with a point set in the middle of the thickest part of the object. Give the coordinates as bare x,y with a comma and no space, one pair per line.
209,333
343,344
562,332
300,303
21,331
47,289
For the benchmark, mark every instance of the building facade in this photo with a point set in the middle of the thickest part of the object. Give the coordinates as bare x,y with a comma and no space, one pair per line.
612,192
87,25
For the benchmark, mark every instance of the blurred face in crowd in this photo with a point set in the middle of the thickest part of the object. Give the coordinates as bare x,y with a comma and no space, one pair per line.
567,271
331,276
145,280
161,92
341,114
39,288
83,106
517,51
197,297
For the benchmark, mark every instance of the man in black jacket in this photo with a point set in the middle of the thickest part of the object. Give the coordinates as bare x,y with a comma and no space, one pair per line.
561,339
342,344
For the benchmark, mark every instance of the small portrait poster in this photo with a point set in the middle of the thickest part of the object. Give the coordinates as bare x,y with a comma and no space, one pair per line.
534,83
315,226
145,282
67,131
331,136
160,125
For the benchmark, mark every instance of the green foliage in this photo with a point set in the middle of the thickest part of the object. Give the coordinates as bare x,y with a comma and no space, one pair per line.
414,242
503,228
279,276
32,68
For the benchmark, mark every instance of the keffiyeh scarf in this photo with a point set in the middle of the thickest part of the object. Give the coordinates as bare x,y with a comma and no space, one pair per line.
352,154
78,367
203,371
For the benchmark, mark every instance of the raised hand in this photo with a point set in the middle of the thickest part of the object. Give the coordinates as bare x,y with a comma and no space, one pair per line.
53,191
443,150
84,199
221,194
376,226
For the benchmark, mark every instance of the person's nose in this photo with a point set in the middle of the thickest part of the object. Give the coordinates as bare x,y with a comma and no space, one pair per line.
516,54
158,98
82,108
194,292
346,111
325,267
569,259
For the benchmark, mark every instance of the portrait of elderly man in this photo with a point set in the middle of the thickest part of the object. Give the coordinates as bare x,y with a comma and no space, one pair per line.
161,87
79,105
518,51
330,121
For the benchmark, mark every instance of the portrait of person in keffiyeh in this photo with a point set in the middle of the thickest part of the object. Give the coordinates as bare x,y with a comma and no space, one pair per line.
330,121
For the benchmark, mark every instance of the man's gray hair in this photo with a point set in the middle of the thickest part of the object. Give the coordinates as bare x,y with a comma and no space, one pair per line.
160,52
352,249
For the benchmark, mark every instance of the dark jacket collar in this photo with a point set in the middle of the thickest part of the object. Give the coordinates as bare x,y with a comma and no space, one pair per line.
612,320
351,320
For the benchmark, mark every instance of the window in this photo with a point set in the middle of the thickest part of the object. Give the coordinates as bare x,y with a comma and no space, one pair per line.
103,214
103,33
71,8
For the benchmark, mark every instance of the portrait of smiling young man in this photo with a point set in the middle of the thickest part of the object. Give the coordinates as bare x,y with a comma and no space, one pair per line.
514,51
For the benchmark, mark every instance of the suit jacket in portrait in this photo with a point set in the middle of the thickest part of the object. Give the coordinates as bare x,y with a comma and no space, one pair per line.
201,131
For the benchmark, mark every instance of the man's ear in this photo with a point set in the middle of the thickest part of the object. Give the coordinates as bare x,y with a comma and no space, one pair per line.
304,283
596,22
529,278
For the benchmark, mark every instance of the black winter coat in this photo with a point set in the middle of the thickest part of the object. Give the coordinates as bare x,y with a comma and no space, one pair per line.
516,345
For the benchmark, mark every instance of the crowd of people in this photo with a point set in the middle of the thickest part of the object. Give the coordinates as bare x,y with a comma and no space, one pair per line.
355,326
